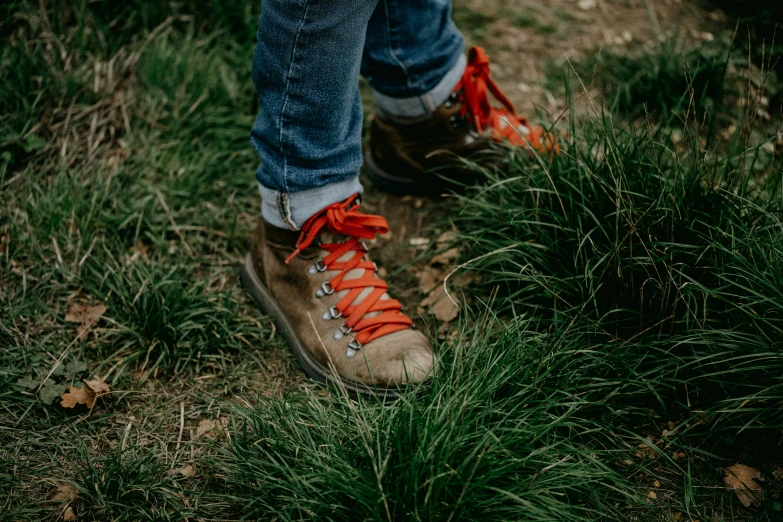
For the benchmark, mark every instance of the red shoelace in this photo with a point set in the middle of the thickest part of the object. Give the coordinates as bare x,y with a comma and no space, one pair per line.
475,86
346,220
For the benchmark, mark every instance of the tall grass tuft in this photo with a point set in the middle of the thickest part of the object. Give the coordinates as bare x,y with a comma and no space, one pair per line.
502,433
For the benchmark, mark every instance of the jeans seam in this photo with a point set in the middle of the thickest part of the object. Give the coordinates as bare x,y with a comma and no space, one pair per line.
285,99
392,43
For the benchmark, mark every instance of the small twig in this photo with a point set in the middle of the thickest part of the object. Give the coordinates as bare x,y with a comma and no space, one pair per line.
138,294
125,435
89,251
181,423
173,223
57,251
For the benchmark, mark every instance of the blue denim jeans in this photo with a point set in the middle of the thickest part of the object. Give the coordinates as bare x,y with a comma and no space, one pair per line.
308,58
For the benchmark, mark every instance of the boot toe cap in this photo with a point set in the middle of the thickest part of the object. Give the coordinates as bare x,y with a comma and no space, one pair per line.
401,358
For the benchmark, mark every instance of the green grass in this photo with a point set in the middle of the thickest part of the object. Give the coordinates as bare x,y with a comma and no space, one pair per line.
623,337
665,262
669,77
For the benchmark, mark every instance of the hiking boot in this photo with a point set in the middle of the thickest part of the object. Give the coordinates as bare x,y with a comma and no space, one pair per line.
325,297
414,157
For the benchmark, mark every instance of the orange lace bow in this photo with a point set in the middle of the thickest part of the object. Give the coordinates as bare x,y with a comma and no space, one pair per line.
505,124
385,315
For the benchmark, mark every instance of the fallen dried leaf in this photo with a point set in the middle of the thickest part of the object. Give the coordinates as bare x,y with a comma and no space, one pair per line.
83,395
65,492
3,242
99,386
777,473
69,515
446,257
446,237
187,471
140,248
85,315
742,479
205,427
645,452
429,278
652,494
443,308
464,278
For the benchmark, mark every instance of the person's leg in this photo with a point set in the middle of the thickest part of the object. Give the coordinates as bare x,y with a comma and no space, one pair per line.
308,130
432,99
308,266
413,56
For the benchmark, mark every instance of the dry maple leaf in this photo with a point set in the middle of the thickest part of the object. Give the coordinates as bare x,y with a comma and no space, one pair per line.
99,386
742,479
83,395
85,315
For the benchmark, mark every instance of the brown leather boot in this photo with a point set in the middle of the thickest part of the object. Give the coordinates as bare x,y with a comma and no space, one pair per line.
422,157
323,293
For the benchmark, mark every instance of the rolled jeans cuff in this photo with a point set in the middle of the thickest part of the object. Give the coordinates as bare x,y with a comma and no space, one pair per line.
291,209
424,104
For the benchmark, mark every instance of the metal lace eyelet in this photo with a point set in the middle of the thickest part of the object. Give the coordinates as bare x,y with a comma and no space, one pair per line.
353,347
326,289
341,332
332,313
319,266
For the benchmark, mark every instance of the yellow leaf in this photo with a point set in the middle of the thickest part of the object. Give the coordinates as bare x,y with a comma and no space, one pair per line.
85,315
99,386
742,479
76,396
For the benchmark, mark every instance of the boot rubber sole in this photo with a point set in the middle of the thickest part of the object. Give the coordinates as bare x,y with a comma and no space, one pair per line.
315,370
